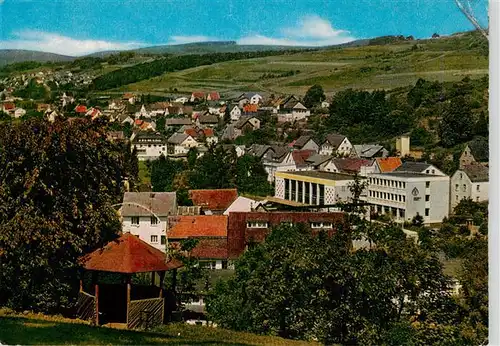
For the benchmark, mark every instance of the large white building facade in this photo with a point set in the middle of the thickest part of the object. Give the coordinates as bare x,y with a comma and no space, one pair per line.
313,187
469,182
404,195
150,145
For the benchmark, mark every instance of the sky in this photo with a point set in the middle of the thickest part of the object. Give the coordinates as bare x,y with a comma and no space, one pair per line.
79,27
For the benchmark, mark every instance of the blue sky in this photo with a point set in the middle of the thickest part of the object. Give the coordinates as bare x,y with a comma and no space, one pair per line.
78,27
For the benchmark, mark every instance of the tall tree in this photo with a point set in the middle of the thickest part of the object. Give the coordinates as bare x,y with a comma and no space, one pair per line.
57,184
314,96
457,124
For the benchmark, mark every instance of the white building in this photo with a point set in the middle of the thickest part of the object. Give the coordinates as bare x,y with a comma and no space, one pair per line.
150,145
404,195
138,218
469,182
337,145
235,112
313,187
180,143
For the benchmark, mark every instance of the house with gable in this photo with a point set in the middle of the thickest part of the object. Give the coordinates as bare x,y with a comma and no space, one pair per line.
176,123
291,109
249,97
145,214
180,143
197,96
244,125
234,112
130,98
336,145
469,182
419,167
143,113
150,145
305,143
213,201
471,155
213,96
207,120
201,135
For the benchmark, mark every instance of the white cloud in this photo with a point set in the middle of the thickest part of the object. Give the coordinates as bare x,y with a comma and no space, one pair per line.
310,31
59,44
190,39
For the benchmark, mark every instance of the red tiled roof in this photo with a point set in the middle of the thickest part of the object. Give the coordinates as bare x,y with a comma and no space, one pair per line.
198,94
128,254
138,122
81,109
197,226
211,249
192,132
214,95
208,132
300,156
128,96
9,105
388,164
351,164
250,108
213,199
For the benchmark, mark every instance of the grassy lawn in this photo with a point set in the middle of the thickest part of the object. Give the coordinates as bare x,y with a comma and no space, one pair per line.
368,67
43,330
144,173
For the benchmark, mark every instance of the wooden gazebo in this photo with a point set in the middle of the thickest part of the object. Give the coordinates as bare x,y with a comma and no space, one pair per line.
135,305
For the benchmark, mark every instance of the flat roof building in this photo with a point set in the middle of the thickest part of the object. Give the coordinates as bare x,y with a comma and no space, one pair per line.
313,187
404,195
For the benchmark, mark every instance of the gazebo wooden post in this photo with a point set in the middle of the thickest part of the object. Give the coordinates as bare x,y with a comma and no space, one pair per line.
95,278
128,278
153,278
162,277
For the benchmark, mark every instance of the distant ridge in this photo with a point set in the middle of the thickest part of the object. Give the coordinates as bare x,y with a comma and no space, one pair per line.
9,56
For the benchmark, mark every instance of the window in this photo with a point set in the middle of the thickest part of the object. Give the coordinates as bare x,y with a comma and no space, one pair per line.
456,187
477,199
456,197
461,176
315,224
427,198
427,172
427,184
257,224
135,220
404,185
321,225
163,240
464,188
433,171
154,239
426,211
329,224
477,188
404,198
154,220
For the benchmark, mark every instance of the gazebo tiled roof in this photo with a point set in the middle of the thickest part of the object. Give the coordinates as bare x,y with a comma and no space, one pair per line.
128,254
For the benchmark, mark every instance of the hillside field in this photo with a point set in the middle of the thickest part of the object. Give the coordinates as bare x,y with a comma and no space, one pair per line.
368,67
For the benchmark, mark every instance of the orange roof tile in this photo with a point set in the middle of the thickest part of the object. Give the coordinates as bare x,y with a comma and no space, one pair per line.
250,108
81,109
197,226
213,199
128,254
388,164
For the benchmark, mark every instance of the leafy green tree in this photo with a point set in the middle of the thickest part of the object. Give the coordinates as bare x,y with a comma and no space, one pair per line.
57,185
456,125
300,285
251,177
163,172
314,96
214,170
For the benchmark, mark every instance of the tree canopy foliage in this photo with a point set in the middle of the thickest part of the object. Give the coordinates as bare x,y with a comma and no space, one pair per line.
57,184
314,96
304,286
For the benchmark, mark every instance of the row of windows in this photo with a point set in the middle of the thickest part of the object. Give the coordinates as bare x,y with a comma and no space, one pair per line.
154,146
149,140
388,183
135,220
464,188
388,196
458,197
265,224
